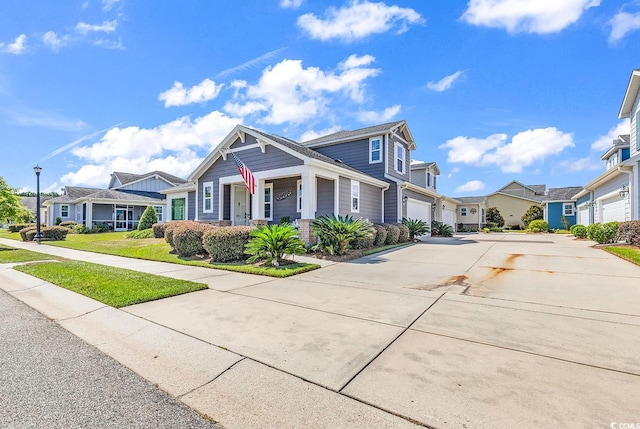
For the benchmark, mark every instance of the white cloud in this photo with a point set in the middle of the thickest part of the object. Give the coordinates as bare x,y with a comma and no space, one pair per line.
107,5
524,149
105,27
470,186
444,83
51,39
246,109
17,47
292,93
604,142
583,164
262,59
355,61
454,170
290,4
538,16
623,23
311,134
384,116
358,20
177,95
177,147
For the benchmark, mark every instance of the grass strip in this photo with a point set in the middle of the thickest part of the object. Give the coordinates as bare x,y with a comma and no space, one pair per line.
631,254
264,270
116,287
10,255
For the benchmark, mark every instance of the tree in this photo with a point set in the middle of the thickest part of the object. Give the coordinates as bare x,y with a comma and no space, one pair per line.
149,217
10,207
535,212
494,216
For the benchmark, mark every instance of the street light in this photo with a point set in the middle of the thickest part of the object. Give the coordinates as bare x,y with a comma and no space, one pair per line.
37,237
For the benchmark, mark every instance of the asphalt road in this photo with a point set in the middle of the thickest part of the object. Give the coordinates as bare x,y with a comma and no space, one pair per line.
50,378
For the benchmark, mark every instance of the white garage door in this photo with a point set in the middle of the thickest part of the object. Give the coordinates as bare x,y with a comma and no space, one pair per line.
583,216
613,209
419,210
449,217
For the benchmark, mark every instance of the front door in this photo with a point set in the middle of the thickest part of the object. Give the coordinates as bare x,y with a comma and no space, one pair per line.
121,220
241,213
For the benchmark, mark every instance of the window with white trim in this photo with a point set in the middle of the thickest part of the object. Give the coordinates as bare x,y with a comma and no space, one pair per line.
64,210
158,210
268,201
567,209
299,196
399,158
375,150
428,178
355,196
463,211
207,197
637,130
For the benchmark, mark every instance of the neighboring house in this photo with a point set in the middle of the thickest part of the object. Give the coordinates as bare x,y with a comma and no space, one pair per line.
30,204
471,213
363,173
181,202
514,199
120,206
559,202
615,194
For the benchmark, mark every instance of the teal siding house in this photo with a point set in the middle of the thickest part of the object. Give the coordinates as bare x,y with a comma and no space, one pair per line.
558,203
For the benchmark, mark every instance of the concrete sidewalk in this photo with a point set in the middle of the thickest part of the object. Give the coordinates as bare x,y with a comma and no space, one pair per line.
494,330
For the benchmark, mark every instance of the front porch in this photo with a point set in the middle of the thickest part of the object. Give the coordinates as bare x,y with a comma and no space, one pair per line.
118,217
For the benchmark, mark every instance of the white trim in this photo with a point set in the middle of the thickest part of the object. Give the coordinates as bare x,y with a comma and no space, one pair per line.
151,176
299,196
465,212
204,197
573,211
397,145
268,186
355,185
64,205
380,139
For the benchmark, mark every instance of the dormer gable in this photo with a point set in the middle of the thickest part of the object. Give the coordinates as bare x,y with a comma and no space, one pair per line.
618,152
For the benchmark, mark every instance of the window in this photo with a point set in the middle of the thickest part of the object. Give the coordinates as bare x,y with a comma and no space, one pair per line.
428,179
177,209
268,201
567,209
638,129
299,196
355,196
483,216
434,181
207,197
64,210
158,210
375,150
399,164
463,211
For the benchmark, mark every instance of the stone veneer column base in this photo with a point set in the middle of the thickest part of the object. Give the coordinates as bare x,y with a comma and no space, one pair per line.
257,222
304,231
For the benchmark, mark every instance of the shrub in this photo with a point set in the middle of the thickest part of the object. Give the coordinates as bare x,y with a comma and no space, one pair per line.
225,243
494,216
393,233
158,230
573,227
579,231
416,227
58,220
16,227
336,233
534,212
30,235
56,233
24,231
486,230
285,219
495,229
538,225
68,223
602,234
96,229
149,217
78,229
137,234
441,229
629,232
404,233
272,242
187,238
365,243
380,236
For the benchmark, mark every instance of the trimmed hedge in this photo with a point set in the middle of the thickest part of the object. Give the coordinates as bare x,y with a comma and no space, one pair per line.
187,238
381,235
158,230
68,223
168,231
364,243
579,231
538,225
148,218
603,233
226,243
629,232
393,232
139,234
56,233
26,230
16,227
404,233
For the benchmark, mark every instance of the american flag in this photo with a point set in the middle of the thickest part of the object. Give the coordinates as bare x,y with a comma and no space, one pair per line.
246,174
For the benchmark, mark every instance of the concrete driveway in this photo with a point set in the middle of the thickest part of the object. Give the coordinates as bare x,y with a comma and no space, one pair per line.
498,330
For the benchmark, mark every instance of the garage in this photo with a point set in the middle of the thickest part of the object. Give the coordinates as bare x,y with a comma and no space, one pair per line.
419,210
449,218
583,215
612,209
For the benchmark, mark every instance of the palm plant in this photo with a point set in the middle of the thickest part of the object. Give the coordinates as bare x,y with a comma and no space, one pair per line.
416,227
273,242
337,233
442,229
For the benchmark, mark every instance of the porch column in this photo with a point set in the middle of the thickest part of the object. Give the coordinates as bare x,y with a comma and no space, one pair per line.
257,200
308,194
89,218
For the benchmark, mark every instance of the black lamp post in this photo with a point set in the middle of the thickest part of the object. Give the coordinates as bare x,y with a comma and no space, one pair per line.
37,237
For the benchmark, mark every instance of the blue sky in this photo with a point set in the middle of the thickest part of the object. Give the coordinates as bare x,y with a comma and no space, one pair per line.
492,90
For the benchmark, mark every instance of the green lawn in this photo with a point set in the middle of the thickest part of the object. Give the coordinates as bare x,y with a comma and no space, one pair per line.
631,254
11,255
116,287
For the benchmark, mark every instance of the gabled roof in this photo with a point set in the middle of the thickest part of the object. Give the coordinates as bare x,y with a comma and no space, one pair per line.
622,142
562,194
126,178
345,135
77,193
532,198
422,165
630,95
471,200
538,189
533,188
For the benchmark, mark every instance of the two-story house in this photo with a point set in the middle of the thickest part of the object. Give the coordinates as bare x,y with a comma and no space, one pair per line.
615,195
362,173
120,206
